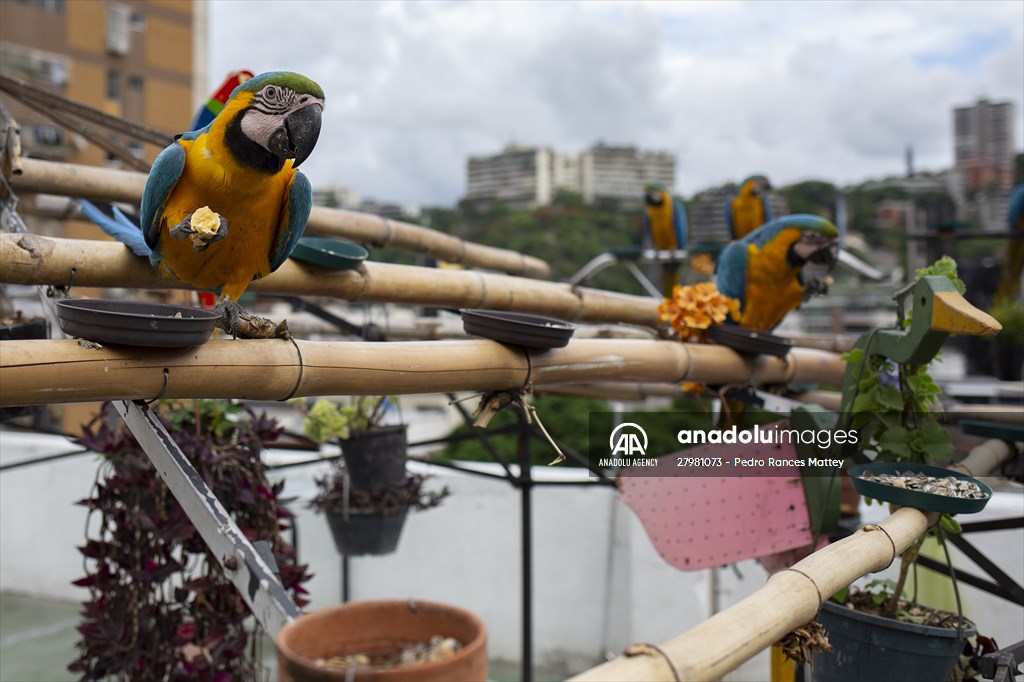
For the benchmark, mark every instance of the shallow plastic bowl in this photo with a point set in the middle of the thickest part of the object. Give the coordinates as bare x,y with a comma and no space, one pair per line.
518,329
132,323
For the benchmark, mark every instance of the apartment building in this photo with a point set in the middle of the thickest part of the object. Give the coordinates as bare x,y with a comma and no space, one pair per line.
984,145
523,176
143,60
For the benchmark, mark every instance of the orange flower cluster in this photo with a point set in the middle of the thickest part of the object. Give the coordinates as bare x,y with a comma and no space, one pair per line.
695,307
702,263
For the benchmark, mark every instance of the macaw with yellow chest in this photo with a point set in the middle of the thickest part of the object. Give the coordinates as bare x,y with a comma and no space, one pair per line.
665,223
750,208
764,270
224,204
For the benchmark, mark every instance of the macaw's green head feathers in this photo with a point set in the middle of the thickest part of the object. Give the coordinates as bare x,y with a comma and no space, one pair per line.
274,116
756,184
655,193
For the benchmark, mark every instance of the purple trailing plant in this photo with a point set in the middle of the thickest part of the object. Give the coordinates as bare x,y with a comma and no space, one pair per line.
159,605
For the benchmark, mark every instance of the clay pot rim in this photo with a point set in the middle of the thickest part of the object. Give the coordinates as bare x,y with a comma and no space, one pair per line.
468,648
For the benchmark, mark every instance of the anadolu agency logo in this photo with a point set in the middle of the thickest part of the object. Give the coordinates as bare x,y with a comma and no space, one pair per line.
628,446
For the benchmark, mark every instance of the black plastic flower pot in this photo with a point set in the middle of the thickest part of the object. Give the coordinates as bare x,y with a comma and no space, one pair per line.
375,459
366,533
876,649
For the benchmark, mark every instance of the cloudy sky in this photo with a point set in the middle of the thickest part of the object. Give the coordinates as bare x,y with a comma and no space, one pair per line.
797,90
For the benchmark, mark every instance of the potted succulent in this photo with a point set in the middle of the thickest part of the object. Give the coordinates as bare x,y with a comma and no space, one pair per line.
876,632
368,492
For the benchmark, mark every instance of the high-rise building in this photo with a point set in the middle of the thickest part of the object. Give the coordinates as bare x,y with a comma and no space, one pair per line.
520,176
523,176
984,145
137,59
619,173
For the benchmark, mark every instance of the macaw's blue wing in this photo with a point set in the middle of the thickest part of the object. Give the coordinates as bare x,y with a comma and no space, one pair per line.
681,226
163,176
293,220
731,278
117,225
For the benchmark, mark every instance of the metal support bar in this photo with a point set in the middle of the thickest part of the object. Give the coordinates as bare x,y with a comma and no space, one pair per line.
1002,665
252,576
966,578
986,564
994,524
525,484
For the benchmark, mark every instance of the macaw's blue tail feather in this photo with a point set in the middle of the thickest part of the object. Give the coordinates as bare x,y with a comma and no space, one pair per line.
120,227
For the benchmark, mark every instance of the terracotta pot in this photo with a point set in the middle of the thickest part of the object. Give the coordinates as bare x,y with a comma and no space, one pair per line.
381,627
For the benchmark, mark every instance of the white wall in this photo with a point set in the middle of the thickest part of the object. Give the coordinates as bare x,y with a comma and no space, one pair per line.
598,583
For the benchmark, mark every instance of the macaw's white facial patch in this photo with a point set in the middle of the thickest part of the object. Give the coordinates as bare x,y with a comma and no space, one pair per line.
260,127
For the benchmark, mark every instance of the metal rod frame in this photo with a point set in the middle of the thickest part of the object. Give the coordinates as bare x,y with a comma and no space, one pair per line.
254,578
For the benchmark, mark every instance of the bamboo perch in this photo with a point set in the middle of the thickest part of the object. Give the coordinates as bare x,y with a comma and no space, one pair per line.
31,259
789,599
107,184
39,372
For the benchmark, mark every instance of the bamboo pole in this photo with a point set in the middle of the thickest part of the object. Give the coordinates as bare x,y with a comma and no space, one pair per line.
31,259
107,184
788,600
39,372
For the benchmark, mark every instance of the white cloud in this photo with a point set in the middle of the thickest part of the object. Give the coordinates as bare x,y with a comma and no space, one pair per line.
831,90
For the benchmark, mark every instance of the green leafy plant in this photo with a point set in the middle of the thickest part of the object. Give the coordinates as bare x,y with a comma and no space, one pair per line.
159,605
327,420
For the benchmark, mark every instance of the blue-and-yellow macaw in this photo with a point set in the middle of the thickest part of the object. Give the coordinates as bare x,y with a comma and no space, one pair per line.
764,270
1013,260
750,208
665,223
242,168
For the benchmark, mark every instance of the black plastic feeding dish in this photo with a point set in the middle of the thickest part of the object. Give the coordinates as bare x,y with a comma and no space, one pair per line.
918,499
518,329
132,323
330,253
746,340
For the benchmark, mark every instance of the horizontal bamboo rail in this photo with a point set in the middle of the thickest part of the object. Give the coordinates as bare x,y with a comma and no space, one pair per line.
790,598
31,259
59,371
108,184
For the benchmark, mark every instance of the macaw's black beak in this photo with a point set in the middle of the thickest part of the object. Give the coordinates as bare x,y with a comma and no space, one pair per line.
827,255
302,129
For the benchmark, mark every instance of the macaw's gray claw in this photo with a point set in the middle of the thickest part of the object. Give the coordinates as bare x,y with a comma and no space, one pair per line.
244,325
200,242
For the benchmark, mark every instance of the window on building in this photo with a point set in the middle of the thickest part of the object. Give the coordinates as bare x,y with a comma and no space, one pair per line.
48,135
136,84
137,22
118,37
53,6
113,85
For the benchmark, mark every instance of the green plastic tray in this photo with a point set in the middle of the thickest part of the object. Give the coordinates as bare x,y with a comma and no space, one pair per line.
916,498
330,253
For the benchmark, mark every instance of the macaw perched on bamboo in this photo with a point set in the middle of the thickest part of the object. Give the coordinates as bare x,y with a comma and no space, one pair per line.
764,270
665,223
1013,259
224,204
750,208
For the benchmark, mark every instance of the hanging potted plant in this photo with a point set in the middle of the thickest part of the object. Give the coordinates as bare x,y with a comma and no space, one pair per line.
878,633
368,492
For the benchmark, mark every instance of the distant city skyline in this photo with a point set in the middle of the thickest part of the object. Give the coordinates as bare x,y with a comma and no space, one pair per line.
796,90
